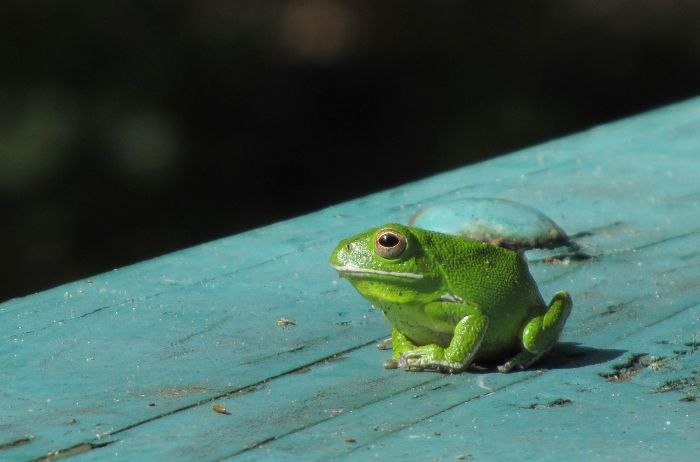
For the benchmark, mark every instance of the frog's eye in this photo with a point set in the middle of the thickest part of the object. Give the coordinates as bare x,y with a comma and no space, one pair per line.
389,244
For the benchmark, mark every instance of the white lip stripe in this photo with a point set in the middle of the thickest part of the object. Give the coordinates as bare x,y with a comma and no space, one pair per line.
355,270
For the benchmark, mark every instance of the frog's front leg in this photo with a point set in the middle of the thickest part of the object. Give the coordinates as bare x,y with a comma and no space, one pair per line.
399,344
541,333
457,356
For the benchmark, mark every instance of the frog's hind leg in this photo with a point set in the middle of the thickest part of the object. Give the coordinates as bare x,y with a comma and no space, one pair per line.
541,333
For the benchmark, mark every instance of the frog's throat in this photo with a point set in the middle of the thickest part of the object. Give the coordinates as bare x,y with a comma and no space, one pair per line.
355,270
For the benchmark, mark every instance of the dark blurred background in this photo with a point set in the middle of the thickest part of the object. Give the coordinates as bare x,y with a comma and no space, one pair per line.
130,129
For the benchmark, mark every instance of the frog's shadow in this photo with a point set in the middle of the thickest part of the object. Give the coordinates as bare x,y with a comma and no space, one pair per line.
570,355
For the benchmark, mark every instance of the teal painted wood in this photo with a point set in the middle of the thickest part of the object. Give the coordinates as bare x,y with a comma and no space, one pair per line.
128,364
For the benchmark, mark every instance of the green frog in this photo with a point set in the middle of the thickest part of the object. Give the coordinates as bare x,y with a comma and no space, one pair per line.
451,301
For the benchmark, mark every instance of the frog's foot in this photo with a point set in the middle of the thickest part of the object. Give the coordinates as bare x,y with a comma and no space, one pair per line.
541,333
428,358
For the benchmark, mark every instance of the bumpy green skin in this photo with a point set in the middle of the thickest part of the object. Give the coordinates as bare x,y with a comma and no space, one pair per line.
453,301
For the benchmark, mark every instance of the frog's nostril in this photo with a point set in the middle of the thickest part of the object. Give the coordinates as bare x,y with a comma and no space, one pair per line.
348,246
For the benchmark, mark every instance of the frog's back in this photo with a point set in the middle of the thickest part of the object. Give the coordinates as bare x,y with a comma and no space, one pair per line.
495,279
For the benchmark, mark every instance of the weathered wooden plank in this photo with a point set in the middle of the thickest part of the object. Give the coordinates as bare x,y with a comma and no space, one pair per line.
311,416
544,416
136,355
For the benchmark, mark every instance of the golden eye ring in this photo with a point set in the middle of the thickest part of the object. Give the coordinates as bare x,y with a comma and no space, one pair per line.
389,244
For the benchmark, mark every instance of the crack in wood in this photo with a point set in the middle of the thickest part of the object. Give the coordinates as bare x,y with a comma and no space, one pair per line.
671,315
212,326
63,321
597,230
567,258
72,451
559,402
16,443
632,367
261,358
641,361
690,383
668,239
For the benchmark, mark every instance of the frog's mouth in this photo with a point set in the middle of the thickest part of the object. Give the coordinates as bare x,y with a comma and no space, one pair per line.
353,270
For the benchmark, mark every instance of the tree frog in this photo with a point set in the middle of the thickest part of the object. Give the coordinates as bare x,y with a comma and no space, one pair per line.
450,300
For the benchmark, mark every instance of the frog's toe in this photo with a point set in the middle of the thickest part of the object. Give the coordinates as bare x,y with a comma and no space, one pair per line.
416,361
391,364
509,366
385,344
521,361
410,361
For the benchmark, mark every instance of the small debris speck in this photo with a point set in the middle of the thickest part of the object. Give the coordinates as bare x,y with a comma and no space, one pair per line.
349,440
284,322
220,409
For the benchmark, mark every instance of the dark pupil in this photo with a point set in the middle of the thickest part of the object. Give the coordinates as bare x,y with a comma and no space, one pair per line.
388,240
